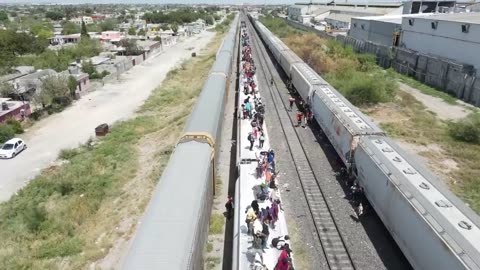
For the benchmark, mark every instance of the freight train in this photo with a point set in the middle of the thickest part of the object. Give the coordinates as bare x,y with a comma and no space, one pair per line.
433,228
174,229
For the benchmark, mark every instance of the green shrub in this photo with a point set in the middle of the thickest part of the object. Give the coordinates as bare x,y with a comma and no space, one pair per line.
363,88
16,125
6,132
467,129
68,154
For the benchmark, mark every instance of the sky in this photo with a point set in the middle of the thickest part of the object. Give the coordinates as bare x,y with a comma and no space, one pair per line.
290,2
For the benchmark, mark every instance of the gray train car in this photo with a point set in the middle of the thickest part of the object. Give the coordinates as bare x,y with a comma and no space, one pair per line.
304,78
174,229
433,228
287,59
341,122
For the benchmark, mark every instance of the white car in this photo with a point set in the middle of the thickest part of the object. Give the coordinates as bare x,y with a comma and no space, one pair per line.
12,148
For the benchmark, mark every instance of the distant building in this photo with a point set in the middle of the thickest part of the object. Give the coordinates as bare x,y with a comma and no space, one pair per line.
13,109
98,17
83,80
338,16
455,36
65,39
18,72
384,30
26,86
86,19
111,36
416,7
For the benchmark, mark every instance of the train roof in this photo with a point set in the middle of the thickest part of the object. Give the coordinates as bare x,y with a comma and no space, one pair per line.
309,74
204,116
348,114
222,63
455,222
167,223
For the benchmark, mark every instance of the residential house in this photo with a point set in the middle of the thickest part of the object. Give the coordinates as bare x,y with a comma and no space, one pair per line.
13,109
26,86
86,19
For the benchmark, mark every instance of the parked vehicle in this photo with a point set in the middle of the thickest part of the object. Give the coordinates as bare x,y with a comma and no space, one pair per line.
12,148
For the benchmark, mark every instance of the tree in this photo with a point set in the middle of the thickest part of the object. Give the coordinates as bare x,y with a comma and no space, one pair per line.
132,31
164,27
88,11
159,39
130,45
72,85
84,32
53,88
70,11
54,15
70,28
13,14
174,28
6,89
209,20
88,68
141,32
108,25
3,16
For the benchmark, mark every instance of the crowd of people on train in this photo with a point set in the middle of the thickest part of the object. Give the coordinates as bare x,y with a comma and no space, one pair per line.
259,221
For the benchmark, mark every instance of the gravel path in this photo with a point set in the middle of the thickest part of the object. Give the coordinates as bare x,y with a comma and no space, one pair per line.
442,109
114,101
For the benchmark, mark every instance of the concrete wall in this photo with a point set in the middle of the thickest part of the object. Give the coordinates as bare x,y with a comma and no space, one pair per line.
447,40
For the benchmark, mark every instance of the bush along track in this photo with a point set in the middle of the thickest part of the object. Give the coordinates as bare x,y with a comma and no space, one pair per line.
71,215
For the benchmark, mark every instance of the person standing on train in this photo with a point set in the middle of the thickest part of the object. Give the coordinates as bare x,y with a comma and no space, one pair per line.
261,140
251,216
248,108
299,118
229,207
251,139
291,100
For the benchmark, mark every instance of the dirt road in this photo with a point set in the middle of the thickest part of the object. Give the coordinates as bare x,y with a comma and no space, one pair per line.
114,101
442,109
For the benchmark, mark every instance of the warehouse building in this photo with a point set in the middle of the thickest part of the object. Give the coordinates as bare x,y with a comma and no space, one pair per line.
455,36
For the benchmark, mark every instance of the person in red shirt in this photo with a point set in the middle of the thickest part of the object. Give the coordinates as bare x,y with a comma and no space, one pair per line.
299,118
284,259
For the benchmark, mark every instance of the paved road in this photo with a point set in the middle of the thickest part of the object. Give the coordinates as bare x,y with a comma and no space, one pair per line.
114,101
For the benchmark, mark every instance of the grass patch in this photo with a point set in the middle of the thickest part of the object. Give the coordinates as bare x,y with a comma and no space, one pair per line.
216,223
209,246
218,185
68,154
212,262
467,129
67,216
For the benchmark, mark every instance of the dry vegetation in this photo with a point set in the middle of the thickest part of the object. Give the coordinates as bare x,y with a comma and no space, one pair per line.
355,75
451,149
75,214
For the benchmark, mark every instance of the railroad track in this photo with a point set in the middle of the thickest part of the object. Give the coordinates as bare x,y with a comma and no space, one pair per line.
334,248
